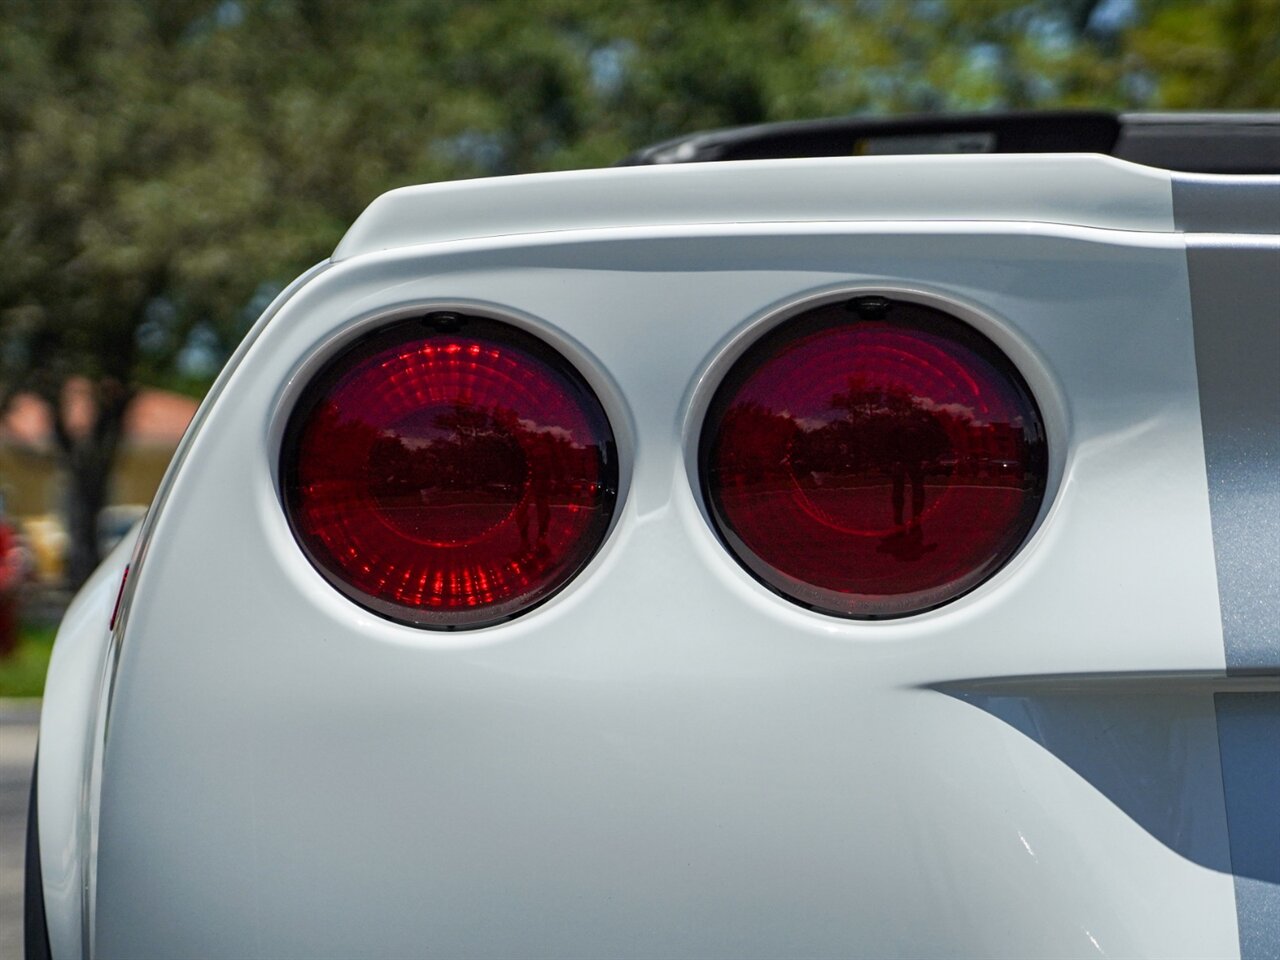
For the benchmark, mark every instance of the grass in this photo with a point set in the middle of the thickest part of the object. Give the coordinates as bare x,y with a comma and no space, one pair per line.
22,672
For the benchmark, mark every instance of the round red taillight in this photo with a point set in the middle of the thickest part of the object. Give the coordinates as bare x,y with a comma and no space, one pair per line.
449,472
873,459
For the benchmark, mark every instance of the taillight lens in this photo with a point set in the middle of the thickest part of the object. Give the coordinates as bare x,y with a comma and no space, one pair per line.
450,472
873,464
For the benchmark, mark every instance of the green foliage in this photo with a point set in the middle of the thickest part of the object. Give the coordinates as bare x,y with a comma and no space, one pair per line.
1211,53
22,671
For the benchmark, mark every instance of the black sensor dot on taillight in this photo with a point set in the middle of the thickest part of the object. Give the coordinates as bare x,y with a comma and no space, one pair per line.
873,463
449,474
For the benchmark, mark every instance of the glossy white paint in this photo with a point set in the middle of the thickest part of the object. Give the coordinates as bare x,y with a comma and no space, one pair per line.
69,719
666,759
1072,188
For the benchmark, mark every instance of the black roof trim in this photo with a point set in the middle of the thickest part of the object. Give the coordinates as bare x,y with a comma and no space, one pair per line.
1191,142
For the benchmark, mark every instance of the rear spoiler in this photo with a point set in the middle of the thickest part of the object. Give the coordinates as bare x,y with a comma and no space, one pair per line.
1231,143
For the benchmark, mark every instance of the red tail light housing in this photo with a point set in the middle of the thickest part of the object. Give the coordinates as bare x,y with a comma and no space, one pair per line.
449,472
873,459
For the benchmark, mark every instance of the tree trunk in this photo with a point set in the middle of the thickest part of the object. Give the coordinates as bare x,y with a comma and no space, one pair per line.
88,461
88,475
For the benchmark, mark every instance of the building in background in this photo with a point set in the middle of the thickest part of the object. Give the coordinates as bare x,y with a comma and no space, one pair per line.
34,487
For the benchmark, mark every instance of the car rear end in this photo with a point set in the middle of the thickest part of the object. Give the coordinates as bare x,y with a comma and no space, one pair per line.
782,686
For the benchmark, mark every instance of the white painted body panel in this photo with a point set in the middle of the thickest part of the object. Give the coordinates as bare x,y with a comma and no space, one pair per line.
666,759
70,718
1071,188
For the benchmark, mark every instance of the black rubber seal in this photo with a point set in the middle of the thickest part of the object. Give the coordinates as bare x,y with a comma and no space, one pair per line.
35,928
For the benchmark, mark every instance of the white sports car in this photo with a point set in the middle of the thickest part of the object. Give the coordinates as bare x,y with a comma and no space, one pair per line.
817,556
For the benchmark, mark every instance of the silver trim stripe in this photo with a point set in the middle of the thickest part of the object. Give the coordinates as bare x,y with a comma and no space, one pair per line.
1235,304
1235,301
1206,203
1248,735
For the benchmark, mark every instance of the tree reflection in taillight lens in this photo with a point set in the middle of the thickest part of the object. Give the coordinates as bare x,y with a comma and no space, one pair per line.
873,466
449,474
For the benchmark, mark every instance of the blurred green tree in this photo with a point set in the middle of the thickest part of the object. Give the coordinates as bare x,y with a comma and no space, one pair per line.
120,188
167,164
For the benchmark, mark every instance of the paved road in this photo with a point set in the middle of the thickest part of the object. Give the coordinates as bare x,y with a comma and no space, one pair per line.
18,722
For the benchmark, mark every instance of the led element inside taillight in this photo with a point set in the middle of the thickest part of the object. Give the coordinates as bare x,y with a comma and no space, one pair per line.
873,459
449,472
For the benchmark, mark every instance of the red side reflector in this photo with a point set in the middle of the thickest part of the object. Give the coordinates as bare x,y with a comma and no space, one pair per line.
873,468
115,611
449,478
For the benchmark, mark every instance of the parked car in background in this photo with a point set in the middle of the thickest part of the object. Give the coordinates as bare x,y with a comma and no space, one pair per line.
115,522
14,564
47,537
836,553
